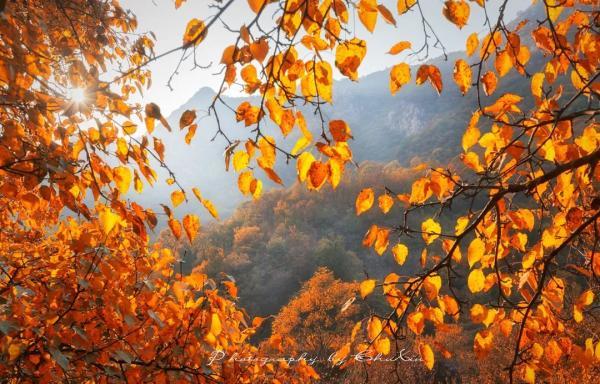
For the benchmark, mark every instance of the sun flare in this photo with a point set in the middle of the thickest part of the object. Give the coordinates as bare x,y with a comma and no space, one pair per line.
77,95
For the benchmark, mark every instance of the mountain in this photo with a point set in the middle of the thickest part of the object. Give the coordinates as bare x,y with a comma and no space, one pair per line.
415,123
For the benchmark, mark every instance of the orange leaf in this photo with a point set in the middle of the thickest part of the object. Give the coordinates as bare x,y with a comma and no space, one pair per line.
364,201
457,11
191,224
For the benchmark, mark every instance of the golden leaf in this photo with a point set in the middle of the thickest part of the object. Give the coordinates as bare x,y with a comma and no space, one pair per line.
177,197
431,230
457,11
400,252
191,224
364,201
476,281
399,75
366,287
399,47
427,355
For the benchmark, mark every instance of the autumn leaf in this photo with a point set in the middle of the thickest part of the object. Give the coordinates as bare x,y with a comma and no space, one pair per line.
177,197
108,220
431,230
364,201
387,14
462,75
122,176
404,5
399,47
385,202
367,13
317,174
457,11
431,73
366,287
476,281
256,5
191,224
175,227
340,131
475,251
399,75
472,44
348,56
374,328
400,252
489,82
427,355
195,32
187,118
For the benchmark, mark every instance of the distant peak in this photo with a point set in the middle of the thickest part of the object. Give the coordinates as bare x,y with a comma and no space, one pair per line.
205,92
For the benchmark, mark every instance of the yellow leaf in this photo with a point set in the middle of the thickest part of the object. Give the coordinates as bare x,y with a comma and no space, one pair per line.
364,200
374,328
197,193
427,355
175,227
367,13
366,287
129,127
586,298
348,56
416,322
475,251
244,182
382,241
537,81
122,176
190,133
399,75
431,230
382,345
489,82
14,351
457,11
177,197
303,164
336,169
400,252
386,202
432,285
472,43
476,280
529,374
108,220
191,224
240,160
462,75
399,47
195,32
503,63
404,5
210,207
215,325
553,352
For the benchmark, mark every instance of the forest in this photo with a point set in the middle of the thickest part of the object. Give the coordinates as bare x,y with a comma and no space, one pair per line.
299,191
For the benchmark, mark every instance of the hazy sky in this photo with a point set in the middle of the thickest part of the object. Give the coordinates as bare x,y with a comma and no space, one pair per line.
168,24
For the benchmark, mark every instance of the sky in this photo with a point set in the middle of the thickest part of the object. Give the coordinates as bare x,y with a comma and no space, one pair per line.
168,24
